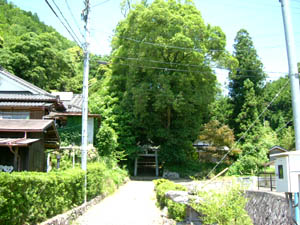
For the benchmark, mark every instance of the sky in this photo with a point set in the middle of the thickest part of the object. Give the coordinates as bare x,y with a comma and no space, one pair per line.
261,18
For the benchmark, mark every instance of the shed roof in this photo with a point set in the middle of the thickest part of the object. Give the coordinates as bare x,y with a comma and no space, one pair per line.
54,115
23,125
17,141
47,127
278,148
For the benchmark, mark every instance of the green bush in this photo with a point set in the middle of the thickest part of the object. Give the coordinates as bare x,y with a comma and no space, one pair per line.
107,140
195,168
246,165
31,197
226,208
175,210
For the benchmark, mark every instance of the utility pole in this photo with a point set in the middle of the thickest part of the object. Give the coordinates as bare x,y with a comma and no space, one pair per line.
85,17
294,78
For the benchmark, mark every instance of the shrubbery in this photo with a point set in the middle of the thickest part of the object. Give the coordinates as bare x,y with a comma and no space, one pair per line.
31,197
175,210
226,208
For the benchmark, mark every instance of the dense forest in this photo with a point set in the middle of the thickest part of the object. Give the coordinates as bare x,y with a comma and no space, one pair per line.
159,87
38,53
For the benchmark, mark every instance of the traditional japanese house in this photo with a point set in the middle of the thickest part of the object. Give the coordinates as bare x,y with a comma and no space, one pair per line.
20,99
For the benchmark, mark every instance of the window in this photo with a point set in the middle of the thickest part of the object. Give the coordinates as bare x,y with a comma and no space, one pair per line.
14,115
280,171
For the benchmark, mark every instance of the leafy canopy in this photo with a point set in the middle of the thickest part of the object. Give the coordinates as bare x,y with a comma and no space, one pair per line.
161,74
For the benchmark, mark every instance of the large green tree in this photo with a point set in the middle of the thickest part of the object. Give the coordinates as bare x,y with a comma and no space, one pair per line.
161,75
249,68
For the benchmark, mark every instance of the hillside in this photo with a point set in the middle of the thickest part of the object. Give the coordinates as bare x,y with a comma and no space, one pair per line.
36,52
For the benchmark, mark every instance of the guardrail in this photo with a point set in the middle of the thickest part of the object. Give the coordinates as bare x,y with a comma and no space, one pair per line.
266,180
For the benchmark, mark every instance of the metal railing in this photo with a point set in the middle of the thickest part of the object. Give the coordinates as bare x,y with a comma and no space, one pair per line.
266,180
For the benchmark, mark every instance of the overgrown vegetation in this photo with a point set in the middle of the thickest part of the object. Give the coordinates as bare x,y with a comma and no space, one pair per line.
176,211
159,87
226,207
31,197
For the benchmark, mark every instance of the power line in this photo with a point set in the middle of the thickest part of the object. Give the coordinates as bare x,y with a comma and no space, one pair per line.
66,21
79,44
187,48
287,123
166,46
245,133
101,3
187,65
73,17
179,70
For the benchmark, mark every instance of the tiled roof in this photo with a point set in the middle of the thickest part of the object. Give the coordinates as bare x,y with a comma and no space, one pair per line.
26,97
72,102
75,105
24,104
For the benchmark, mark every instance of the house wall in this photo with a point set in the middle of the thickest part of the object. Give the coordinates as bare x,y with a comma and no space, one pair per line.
37,156
37,114
90,130
24,156
34,114
12,135
71,132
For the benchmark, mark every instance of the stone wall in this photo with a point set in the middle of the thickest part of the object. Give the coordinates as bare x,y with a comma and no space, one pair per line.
67,217
268,208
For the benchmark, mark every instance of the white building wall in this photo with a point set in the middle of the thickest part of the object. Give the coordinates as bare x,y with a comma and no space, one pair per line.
90,130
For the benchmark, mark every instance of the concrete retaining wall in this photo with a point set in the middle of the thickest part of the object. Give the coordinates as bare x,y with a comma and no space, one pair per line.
267,208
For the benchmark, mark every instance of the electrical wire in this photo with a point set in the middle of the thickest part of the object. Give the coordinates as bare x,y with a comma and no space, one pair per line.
287,123
73,17
101,3
79,44
245,133
66,22
166,46
187,65
186,48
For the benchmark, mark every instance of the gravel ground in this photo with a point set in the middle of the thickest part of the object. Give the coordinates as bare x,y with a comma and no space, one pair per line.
133,203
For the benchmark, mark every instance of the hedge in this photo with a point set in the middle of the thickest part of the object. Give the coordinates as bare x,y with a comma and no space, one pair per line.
32,197
176,211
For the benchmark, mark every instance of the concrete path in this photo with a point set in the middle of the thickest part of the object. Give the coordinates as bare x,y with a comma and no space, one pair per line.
133,203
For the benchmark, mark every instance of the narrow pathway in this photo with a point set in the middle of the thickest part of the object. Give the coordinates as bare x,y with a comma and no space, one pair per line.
133,203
